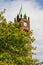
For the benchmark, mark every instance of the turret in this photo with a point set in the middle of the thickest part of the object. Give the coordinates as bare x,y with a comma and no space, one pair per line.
29,23
18,17
25,17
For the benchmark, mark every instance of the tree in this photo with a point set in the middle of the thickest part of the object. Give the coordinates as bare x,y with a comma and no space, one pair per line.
14,48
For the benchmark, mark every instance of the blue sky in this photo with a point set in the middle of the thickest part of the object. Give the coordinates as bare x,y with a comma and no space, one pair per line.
40,2
33,9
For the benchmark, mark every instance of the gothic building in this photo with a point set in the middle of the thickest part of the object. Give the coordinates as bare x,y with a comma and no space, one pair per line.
23,20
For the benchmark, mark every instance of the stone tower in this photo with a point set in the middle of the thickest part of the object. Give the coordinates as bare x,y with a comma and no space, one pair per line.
24,21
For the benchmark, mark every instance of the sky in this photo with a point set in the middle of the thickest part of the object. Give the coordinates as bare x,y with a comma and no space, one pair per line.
33,9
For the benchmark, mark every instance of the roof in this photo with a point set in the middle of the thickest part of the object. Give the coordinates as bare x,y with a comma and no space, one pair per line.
21,12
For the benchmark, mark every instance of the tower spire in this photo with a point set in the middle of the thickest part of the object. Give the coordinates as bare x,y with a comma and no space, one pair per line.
21,12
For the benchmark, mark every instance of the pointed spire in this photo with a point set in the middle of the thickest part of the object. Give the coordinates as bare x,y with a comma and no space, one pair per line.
21,12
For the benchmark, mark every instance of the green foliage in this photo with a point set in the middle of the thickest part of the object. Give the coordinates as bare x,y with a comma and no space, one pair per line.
14,44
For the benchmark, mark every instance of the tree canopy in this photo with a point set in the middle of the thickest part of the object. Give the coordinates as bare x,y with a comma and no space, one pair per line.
14,44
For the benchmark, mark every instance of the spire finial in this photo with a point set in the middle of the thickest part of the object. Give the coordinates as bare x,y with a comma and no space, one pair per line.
21,5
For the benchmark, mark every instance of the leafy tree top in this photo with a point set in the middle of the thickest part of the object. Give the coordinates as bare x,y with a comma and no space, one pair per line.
14,44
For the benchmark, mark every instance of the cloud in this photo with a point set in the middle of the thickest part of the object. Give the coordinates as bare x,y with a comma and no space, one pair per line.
9,0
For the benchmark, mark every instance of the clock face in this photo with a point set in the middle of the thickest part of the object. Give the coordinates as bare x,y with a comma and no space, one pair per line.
25,24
